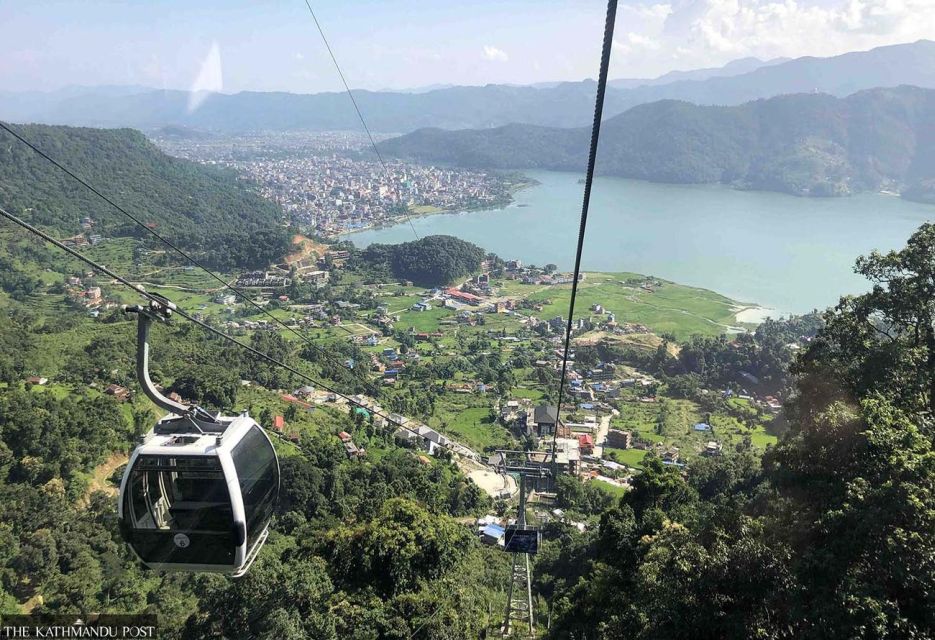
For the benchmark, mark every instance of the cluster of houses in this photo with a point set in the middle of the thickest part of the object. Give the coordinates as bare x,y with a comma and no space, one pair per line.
90,297
266,280
86,238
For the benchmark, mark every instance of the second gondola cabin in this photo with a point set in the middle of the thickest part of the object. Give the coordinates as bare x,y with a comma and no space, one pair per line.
200,499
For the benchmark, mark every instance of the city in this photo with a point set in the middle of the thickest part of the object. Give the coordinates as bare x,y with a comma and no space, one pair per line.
331,183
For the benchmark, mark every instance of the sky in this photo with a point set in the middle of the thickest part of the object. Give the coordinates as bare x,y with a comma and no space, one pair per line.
267,45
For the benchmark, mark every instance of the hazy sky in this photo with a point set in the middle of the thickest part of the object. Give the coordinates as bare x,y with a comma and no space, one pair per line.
235,45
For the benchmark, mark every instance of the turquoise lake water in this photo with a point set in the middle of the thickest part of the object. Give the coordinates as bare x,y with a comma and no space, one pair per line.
782,252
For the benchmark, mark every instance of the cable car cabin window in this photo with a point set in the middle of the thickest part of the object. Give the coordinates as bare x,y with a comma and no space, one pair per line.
257,472
183,495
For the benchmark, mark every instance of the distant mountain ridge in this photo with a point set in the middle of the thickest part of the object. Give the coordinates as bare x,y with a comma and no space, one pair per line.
732,68
567,104
804,144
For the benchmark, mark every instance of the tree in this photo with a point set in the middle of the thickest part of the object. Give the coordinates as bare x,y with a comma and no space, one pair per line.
395,551
857,511
883,340
212,385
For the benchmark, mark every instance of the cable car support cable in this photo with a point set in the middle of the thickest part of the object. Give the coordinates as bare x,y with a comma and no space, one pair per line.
360,115
589,180
239,292
182,313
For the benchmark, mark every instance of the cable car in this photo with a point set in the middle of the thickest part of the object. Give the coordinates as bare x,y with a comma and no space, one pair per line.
198,493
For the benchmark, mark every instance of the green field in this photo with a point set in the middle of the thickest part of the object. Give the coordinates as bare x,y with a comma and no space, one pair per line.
672,308
612,489
424,321
630,457
466,418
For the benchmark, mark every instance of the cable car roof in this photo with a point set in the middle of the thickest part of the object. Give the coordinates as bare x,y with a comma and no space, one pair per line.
186,443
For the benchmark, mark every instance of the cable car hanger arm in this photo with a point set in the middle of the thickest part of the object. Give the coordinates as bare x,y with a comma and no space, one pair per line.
158,310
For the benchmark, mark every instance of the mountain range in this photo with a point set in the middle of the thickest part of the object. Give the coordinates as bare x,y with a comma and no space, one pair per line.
805,144
567,104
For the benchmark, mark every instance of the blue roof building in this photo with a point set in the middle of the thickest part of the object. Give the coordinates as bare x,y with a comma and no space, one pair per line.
492,534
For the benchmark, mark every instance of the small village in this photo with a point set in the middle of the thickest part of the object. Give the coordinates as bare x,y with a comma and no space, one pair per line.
613,414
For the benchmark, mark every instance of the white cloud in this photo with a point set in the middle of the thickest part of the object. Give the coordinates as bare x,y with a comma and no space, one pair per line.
493,54
712,32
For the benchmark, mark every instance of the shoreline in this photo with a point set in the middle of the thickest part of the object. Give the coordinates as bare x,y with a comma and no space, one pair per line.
755,314
509,200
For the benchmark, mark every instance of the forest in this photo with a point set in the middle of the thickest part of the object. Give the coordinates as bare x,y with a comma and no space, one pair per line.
430,261
205,210
827,535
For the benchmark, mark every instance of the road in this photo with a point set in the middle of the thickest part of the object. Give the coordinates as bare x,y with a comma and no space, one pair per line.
319,397
601,434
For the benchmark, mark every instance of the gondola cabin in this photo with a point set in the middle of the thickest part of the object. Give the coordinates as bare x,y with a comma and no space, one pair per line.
198,495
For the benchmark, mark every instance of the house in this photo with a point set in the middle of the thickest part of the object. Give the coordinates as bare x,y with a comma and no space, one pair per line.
702,426
586,444
619,439
774,405
510,408
462,296
352,451
304,392
712,448
279,423
405,436
36,380
432,441
670,456
545,418
492,534
567,454
422,306
345,436
115,390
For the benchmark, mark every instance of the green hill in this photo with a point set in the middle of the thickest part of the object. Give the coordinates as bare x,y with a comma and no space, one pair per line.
805,144
204,209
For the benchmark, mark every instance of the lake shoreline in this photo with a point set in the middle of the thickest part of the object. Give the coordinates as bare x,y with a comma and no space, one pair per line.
780,252
500,205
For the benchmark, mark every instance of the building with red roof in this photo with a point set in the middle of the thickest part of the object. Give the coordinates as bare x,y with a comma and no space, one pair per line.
586,443
463,296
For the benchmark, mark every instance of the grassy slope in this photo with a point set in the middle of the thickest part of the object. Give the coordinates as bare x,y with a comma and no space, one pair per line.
672,308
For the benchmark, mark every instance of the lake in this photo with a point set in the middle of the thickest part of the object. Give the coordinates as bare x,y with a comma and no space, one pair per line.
782,252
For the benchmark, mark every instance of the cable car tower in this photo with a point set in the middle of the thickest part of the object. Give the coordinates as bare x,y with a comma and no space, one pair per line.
522,540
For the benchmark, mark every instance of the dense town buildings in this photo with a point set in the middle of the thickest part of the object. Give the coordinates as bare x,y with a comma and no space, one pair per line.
324,181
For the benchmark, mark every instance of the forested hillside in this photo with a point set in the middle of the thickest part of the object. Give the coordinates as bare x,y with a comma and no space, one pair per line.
204,209
829,536
805,144
430,261
359,549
